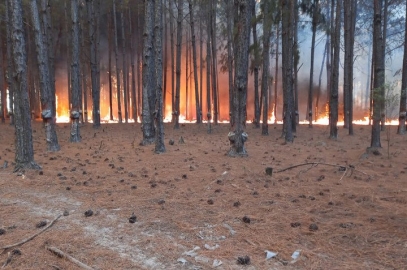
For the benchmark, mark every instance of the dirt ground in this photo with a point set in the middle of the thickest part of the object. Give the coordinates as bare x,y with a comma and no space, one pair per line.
193,207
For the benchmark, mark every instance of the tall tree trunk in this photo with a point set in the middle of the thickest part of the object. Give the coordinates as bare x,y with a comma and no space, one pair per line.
378,83
2,85
148,74
68,54
229,30
383,89
172,30
208,71
256,64
296,59
201,64
24,155
276,79
238,136
93,63
178,63
333,98
124,62
187,73
119,104
403,95
158,115
109,42
349,25
45,81
287,62
215,92
311,75
48,36
266,64
320,82
194,60
10,67
133,73
75,74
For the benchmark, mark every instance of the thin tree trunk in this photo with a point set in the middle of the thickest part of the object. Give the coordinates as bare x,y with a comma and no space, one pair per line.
45,81
256,64
229,30
311,75
119,104
276,79
158,35
403,95
266,63
10,67
349,24
194,60
2,88
172,30
383,89
148,75
215,94
68,55
109,42
333,100
133,73
124,62
75,74
208,71
320,82
287,62
296,58
378,83
178,64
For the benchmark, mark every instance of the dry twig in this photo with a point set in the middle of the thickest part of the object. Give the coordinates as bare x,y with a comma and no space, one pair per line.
31,237
61,254
314,164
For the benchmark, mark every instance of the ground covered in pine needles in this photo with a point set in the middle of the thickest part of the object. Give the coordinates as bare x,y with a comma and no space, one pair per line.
110,203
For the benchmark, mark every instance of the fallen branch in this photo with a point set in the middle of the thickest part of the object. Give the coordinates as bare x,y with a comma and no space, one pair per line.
31,237
10,256
61,254
321,163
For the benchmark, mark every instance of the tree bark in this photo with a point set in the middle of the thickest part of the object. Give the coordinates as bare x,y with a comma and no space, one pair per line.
158,114
24,155
238,136
229,29
178,64
208,71
403,95
119,104
94,62
75,74
266,64
45,81
287,62
349,34
276,79
378,83
215,91
133,73
124,62
148,74
256,64
333,97
315,7
2,85
10,67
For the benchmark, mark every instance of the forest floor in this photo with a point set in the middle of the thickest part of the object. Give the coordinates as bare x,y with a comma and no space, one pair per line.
196,208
